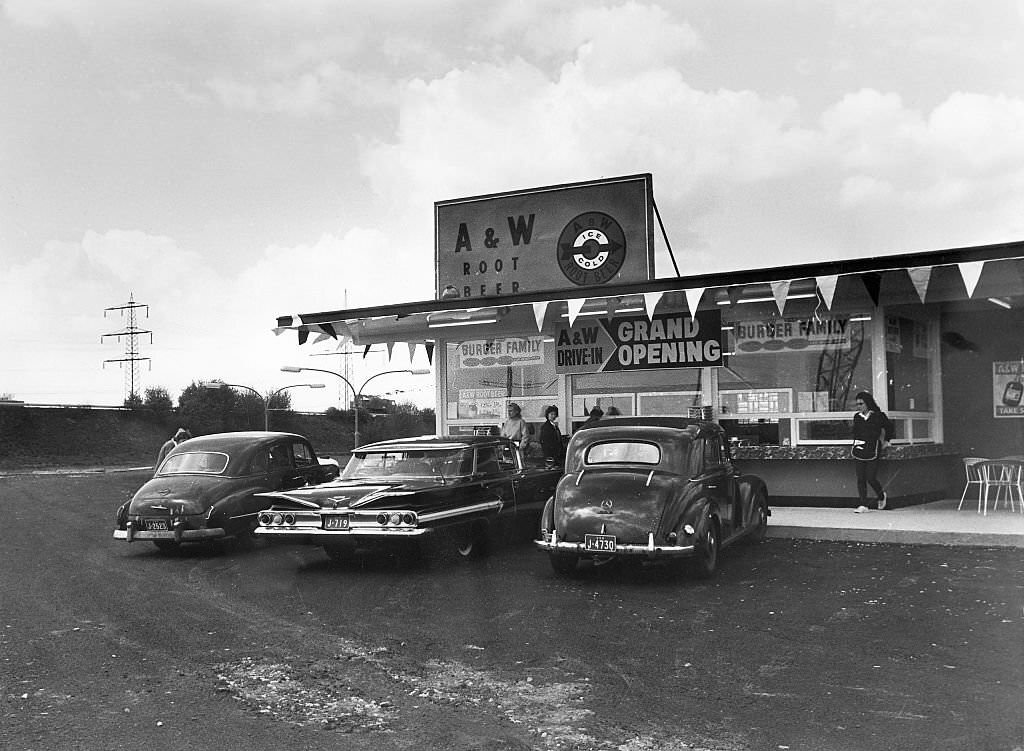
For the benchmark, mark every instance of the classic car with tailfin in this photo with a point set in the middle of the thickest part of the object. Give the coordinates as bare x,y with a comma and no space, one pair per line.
651,489
393,494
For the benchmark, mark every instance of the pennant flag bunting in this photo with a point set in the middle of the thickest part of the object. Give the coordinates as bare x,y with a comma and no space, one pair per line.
921,276
651,300
827,288
971,273
412,350
321,337
779,291
303,334
734,292
329,330
539,309
872,281
693,300
429,346
343,342
366,351
574,308
391,347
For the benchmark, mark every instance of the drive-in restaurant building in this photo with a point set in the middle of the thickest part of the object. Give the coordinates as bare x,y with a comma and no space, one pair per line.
548,296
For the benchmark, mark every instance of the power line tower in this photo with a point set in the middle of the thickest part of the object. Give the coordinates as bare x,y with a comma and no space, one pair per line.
131,335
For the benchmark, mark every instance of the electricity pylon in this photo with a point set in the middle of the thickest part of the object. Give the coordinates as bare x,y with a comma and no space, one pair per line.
131,335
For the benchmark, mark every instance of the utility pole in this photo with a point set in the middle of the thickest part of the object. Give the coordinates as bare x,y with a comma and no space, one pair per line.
131,335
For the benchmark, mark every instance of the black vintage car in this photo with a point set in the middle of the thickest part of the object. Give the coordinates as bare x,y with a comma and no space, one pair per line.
651,489
209,487
394,493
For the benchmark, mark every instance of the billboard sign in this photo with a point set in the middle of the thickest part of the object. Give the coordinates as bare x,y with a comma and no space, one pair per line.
559,237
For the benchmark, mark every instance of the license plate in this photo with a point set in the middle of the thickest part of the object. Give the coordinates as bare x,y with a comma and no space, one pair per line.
156,524
336,522
600,543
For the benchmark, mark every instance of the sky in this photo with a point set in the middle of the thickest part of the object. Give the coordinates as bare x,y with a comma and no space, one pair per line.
224,162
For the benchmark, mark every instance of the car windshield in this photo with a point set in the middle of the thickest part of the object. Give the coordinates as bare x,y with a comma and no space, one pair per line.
409,464
627,452
204,462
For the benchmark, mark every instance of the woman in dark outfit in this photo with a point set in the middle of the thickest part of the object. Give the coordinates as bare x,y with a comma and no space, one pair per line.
551,436
871,431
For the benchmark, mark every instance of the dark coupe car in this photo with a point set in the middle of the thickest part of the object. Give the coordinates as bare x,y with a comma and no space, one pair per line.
651,489
394,493
209,487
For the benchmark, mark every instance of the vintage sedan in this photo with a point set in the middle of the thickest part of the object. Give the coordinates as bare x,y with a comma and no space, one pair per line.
461,489
651,489
210,487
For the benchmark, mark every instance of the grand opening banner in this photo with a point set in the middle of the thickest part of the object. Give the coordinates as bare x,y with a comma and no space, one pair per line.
638,343
552,238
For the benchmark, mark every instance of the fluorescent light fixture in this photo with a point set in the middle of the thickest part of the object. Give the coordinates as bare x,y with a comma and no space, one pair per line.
604,312
445,324
800,296
728,328
1000,302
853,319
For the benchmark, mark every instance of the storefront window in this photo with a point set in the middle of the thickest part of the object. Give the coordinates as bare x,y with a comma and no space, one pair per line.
483,376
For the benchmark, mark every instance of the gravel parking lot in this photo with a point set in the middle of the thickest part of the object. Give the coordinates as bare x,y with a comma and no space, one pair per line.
794,645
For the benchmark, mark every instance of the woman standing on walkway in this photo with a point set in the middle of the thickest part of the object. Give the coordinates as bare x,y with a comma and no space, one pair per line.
871,431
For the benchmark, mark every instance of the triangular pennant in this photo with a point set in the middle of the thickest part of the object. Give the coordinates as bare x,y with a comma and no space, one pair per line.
651,300
827,288
278,330
412,350
872,281
693,300
329,330
921,276
780,290
429,346
734,292
303,334
366,351
343,342
321,337
971,272
539,309
574,308
391,347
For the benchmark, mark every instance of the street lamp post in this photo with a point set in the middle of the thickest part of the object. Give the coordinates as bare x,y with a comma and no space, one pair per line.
356,393
266,399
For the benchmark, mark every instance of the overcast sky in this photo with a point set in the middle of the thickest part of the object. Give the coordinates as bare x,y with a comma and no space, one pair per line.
229,161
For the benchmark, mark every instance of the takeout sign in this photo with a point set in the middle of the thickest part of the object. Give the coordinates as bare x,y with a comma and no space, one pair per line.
639,343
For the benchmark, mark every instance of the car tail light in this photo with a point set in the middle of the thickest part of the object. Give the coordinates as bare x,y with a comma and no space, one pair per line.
382,519
289,519
278,518
265,519
408,518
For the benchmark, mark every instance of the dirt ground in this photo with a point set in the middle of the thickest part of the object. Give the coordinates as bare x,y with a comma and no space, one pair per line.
794,645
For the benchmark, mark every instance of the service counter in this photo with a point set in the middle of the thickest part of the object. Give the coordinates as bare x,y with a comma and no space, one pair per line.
825,476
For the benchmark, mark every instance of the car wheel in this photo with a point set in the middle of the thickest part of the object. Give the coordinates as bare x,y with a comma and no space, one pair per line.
564,564
760,525
167,546
706,553
471,540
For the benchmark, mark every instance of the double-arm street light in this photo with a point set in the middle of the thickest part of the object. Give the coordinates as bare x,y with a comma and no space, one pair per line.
266,399
356,393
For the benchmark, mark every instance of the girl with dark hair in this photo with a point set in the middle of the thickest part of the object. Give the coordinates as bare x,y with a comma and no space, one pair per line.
551,436
871,432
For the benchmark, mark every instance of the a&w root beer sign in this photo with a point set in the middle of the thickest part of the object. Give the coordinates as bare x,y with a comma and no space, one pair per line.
582,234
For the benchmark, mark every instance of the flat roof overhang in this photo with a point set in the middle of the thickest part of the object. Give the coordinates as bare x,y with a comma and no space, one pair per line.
523,313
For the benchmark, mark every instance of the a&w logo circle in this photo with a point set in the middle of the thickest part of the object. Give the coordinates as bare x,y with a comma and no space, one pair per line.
591,249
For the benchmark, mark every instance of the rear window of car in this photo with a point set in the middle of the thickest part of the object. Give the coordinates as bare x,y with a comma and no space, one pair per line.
623,452
203,462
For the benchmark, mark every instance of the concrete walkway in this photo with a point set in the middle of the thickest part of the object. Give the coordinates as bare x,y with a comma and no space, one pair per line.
937,523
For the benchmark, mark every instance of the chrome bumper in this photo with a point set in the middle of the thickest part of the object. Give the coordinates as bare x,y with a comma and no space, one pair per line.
336,534
172,535
553,545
